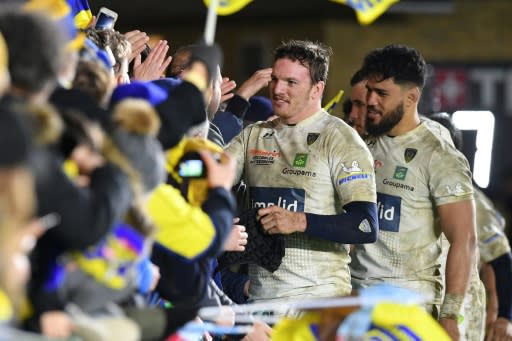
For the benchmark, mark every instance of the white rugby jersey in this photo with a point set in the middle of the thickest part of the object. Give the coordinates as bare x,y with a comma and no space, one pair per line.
316,166
415,173
490,226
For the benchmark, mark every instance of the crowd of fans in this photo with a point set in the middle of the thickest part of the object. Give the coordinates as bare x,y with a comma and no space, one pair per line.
121,215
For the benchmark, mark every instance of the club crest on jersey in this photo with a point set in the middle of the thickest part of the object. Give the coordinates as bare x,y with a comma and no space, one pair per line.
400,173
409,154
312,137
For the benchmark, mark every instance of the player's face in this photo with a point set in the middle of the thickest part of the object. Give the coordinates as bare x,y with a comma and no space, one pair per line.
385,106
291,90
358,113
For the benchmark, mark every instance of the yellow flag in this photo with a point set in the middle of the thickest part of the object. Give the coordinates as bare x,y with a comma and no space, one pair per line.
329,107
228,7
367,10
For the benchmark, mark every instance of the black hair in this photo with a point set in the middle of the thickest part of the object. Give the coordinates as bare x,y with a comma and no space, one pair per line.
313,55
357,77
347,107
402,63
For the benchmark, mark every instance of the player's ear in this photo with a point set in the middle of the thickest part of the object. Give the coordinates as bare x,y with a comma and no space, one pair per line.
317,90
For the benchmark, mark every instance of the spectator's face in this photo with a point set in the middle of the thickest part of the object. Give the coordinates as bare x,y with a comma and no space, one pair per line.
5,81
293,95
358,113
122,76
385,106
214,104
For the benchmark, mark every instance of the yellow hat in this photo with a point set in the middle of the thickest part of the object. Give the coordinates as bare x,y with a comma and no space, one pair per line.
4,59
60,12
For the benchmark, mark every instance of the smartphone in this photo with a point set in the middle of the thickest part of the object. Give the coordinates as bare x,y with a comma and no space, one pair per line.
105,19
191,166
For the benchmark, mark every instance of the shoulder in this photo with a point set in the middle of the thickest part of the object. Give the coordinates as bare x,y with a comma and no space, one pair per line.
437,138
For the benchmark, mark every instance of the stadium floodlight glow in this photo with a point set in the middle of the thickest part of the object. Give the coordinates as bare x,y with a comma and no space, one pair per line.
483,123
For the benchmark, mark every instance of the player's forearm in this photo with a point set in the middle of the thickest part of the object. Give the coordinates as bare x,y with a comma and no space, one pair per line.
459,265
358,225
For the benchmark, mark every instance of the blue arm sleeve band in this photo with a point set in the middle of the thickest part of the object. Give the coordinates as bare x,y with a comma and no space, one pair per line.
502,267
358,225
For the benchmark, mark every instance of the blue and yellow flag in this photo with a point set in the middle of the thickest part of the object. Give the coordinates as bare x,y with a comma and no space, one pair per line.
368,10
228,7
60,12
81,12
329,107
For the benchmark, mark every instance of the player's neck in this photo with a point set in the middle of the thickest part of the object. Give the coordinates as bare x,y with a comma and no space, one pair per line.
304,114
409,121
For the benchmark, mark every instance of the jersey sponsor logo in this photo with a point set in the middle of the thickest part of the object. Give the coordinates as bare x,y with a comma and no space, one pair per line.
400,173
263,157
354,176
388,211
371,143
493,238
457,191
312,137
409,154
300,160
354,167
268,135
298,172
365,226
398,185
291,199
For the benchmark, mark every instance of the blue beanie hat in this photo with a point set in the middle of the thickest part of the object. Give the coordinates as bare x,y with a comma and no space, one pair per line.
260,109
167,84
139,90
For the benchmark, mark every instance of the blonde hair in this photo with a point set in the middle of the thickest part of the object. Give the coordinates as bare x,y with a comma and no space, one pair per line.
17,202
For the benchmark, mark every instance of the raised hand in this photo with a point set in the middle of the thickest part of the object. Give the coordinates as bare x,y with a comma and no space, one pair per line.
155,64
137,40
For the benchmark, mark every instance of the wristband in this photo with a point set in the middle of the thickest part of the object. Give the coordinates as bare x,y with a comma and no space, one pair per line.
451,307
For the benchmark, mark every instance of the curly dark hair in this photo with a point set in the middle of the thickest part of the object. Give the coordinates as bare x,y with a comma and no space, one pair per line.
119,45
313,55
402,63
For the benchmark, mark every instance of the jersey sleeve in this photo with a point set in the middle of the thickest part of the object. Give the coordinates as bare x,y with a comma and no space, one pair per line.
450,176
492,242
351,165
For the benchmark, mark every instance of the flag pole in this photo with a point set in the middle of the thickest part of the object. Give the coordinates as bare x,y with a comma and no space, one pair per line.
211,22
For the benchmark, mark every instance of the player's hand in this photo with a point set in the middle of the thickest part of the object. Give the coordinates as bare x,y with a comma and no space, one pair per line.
451,327
500,330
275,219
